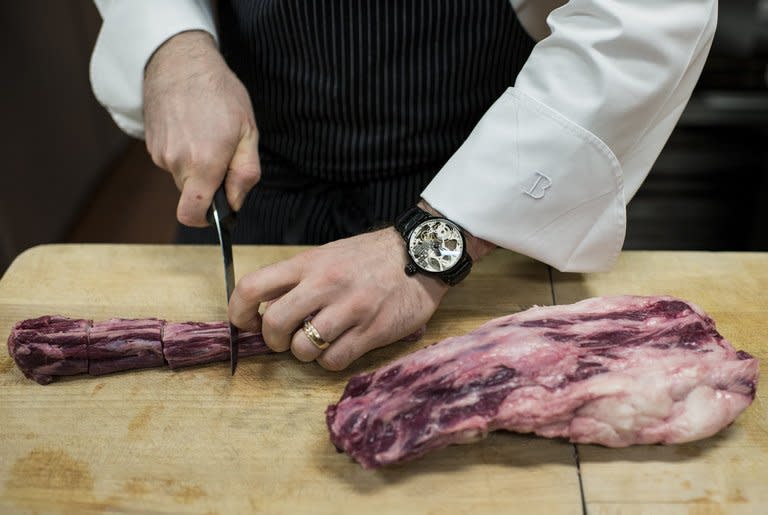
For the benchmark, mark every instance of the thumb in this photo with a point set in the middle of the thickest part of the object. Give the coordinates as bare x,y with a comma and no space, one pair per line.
244,169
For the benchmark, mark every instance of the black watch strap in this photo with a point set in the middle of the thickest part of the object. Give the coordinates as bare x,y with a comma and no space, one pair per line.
409,219
459,272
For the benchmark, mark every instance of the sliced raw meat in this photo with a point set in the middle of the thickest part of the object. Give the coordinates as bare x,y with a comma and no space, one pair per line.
124,344
56,346
194,343
50,346
613,371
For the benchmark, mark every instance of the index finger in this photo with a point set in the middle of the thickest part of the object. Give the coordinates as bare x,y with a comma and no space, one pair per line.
262,285
196,197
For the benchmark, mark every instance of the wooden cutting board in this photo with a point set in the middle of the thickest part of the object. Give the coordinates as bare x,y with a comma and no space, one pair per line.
199,440
726,474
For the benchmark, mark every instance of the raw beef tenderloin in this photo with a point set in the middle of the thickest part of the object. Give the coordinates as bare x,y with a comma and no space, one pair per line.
50,346
612,371
123,344
56,346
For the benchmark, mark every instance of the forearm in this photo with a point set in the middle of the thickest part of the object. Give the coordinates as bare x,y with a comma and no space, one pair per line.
132,30
192,45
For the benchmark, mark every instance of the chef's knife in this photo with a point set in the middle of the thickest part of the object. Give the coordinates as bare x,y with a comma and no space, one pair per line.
223,218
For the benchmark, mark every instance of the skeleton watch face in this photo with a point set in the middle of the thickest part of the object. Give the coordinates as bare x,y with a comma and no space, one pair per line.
436,245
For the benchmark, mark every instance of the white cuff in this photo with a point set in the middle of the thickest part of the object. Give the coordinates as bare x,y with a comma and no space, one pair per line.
530,180
131,32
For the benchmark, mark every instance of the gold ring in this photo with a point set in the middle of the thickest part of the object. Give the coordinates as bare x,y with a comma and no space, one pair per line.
314,336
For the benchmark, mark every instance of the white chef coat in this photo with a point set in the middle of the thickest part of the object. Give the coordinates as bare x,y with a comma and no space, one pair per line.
549,168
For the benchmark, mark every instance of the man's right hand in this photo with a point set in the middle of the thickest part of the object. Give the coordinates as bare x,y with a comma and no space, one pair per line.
199,124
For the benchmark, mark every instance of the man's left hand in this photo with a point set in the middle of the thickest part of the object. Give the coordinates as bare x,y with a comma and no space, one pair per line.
355,290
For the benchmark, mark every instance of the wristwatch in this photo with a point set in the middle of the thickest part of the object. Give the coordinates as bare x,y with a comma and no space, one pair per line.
435,246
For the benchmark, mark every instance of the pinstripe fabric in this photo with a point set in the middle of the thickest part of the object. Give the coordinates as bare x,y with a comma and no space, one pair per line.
359,103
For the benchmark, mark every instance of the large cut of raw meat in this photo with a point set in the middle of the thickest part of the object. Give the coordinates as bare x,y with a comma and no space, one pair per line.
613,371
51,346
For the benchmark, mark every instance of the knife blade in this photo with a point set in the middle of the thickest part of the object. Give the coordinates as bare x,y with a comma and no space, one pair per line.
221,215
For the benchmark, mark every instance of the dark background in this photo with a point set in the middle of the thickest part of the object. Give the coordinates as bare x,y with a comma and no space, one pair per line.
708,189
69,175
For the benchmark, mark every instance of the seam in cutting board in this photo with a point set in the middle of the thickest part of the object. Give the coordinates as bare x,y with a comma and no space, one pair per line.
575,447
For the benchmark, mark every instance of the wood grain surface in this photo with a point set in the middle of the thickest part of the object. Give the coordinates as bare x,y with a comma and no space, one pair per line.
198,440
726,474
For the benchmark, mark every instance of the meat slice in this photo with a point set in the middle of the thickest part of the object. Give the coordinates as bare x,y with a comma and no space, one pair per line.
50,346
613,371
124,344
194,343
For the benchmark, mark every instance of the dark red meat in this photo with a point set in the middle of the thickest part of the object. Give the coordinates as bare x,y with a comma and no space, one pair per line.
195,343
50,346
54,346
123,344
613,371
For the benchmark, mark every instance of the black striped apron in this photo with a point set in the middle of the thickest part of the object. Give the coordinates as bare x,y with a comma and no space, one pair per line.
359,103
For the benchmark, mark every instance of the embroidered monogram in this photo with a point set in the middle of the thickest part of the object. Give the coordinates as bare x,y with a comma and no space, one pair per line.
540,186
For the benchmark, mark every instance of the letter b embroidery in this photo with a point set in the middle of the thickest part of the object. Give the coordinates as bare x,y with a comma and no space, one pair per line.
539,187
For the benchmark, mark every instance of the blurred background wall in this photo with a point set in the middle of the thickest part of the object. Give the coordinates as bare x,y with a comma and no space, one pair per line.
56,142
68,174
709,188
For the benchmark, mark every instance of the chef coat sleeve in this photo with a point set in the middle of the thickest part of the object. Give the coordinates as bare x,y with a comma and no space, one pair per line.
549,168
130,33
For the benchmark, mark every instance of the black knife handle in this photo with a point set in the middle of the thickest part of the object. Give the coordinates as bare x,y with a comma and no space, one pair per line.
226,213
